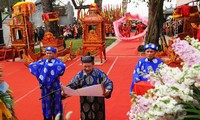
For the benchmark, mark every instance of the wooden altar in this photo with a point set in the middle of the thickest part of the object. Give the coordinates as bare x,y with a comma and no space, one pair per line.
21,33
59,43
50,40
93,33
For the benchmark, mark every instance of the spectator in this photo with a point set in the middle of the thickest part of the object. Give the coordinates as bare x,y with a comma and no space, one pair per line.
40,33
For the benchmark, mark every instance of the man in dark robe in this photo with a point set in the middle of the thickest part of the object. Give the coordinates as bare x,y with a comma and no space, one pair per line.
41,33
92,107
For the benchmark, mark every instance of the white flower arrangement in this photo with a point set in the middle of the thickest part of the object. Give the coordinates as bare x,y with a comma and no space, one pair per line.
162,106
172,85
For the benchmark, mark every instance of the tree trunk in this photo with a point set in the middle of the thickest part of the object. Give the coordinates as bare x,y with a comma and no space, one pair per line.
1,31
99,3
50,26
155,21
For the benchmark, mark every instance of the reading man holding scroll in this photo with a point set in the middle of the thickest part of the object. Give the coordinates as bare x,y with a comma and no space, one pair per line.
92,107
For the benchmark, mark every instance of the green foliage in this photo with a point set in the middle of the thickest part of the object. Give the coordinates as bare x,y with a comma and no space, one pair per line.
192,109
109,41
77,43
8,3
6,98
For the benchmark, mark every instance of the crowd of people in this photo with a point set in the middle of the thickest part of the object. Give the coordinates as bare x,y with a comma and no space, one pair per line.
75,31
172,27
72,31
128,27
68,31
39,33
109,29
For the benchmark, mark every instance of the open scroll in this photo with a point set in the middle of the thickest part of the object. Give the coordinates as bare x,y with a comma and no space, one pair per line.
94,90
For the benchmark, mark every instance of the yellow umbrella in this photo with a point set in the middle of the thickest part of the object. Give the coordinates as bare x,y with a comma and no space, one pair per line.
25,8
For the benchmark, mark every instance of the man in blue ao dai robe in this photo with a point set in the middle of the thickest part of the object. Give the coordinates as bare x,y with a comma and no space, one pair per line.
48,72
146,64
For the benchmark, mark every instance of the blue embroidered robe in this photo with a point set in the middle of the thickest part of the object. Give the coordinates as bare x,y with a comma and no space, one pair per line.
143,67
92,108
47,73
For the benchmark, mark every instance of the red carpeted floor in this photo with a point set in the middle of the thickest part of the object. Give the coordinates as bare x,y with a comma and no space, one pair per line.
121,60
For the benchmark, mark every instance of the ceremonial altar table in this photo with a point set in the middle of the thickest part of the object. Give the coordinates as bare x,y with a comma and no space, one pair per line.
141,87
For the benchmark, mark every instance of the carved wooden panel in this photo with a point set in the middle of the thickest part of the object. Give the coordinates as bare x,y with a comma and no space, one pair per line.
93,34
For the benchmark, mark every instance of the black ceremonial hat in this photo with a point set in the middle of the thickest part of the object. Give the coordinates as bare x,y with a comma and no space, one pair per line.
87,59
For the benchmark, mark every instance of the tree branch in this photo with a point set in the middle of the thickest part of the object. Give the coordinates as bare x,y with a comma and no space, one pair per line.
79,7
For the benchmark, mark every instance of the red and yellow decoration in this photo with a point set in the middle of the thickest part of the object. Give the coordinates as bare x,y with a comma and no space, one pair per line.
23,8
51,16
185,11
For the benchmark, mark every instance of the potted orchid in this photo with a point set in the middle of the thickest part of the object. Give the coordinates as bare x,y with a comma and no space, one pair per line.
177,90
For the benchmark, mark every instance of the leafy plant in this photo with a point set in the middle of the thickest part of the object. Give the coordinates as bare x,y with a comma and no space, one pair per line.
7,99
192,109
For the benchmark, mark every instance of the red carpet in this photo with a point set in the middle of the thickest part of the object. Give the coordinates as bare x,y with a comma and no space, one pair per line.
125,48
119,65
